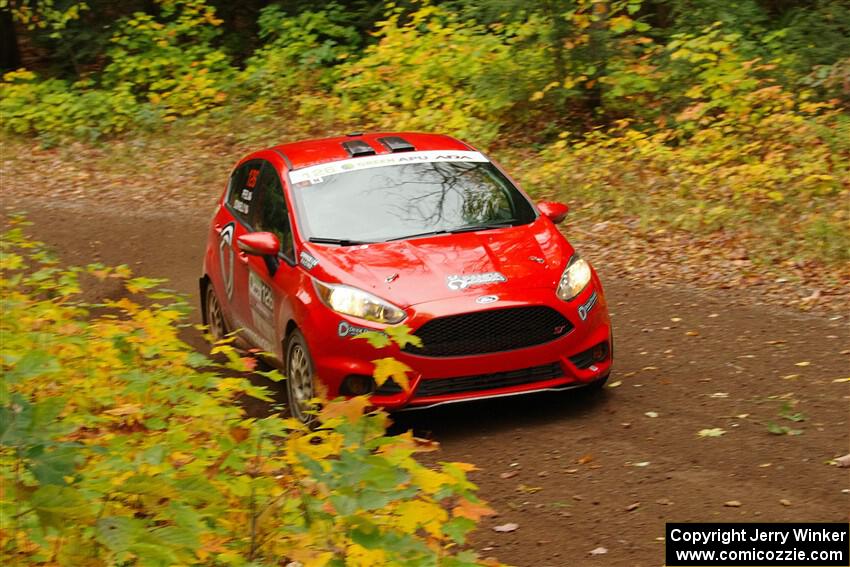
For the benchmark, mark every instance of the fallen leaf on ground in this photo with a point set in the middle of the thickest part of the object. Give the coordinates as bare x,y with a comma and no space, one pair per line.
692,333
599,551
714,432
720,395
842,380
641,464
509,474
803,363
584,459
843,462
785,502
504,528
615,384
675,319
651,414
732,504
632,507
664,501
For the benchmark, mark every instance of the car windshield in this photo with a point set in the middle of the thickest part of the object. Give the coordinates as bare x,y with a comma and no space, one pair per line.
399,201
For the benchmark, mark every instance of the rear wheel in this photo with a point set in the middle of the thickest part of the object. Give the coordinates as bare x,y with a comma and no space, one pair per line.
299,378
215,316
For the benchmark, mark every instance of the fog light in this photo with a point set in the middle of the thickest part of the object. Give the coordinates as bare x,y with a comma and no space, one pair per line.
600,352
357,385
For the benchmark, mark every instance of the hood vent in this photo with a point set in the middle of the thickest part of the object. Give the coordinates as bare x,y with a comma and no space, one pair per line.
356,148
396,144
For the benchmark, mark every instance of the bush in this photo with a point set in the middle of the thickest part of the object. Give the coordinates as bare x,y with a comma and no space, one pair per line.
430,71
56,109
763,163
120,445
300,52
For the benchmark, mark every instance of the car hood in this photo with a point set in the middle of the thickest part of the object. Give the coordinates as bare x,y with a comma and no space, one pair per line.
408,272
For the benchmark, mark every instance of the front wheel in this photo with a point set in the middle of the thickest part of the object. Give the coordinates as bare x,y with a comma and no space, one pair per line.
299,378
215,315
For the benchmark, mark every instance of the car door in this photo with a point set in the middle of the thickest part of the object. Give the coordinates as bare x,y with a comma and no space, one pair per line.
240,202
269,278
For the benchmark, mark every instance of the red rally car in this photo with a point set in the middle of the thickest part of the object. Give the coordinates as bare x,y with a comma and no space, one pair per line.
315,242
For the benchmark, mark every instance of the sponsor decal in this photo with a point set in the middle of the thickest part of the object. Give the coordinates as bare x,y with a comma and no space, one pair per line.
583,310
537,259
307,260
484,299
458,282
260,297
225,257
346,329
252,178
316,172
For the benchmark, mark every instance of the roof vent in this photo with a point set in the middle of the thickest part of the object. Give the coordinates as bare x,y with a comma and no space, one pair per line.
357,148
396,144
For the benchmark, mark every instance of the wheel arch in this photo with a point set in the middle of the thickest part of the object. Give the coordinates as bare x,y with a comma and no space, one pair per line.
203,284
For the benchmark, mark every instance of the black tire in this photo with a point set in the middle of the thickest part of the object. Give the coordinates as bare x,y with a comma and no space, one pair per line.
214,314
300,378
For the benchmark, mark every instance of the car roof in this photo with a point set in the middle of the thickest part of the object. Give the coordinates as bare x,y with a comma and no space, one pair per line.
323,150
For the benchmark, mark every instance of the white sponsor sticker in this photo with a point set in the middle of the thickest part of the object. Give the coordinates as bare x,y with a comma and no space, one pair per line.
318,172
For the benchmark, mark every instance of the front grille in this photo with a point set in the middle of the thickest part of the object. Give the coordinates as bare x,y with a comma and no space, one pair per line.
496,330
389,388
442,386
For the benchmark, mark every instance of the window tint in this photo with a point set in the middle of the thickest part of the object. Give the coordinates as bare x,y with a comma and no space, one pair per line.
243,185
271,213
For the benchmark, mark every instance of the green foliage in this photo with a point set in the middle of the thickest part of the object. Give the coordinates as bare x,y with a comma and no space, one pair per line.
119,445
55,109
299,54
429,70
170,60
159,69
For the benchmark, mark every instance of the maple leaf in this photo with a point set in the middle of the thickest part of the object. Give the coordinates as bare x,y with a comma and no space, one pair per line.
375,338
351,409
472,510
386,368
402,337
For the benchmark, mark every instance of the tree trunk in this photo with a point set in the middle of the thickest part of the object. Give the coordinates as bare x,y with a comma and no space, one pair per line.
10,55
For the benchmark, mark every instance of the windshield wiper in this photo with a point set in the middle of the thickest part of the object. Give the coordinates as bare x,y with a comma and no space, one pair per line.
417,235
470,228
475,227
338,241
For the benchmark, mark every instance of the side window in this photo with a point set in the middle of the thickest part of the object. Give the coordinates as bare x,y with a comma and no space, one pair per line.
243,185
271,214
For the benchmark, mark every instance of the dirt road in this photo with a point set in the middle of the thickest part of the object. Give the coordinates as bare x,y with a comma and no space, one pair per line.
580,472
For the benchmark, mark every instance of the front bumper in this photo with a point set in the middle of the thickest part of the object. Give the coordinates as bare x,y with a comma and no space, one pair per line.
553,365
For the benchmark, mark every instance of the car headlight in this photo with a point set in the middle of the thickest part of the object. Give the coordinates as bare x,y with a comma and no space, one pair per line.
358,303
574,279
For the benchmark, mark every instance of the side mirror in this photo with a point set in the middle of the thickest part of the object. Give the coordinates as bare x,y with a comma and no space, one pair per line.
259,243
554,211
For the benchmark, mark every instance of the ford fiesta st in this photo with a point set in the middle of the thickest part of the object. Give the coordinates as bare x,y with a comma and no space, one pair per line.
318,241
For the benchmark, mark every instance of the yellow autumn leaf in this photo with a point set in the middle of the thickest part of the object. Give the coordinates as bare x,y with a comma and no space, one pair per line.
386,368
428,480
351,409
419,513
359,556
